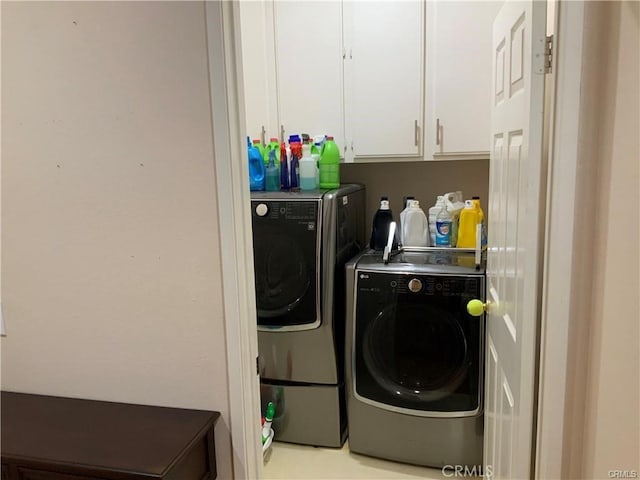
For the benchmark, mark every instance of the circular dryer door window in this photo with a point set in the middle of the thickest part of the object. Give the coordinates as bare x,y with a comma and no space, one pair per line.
283,276
416,352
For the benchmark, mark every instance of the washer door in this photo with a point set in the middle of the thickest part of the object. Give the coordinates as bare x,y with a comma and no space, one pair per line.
286,239
416,349
416,352
282,274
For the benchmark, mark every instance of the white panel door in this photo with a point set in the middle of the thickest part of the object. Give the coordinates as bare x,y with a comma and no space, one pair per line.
384,52
309,65
515,209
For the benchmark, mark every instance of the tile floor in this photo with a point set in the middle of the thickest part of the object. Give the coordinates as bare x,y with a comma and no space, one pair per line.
289,461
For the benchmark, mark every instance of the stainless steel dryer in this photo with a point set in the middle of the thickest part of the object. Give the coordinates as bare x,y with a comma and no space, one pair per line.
415,358
302,241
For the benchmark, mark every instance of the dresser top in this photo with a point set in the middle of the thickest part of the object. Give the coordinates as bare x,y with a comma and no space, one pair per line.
107,435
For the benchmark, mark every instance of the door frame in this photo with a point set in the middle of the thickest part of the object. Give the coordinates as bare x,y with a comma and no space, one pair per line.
562,273
567,265
236,245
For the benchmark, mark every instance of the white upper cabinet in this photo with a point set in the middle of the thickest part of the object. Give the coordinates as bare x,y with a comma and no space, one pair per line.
390,80
259,71
309,67
459,78
384,65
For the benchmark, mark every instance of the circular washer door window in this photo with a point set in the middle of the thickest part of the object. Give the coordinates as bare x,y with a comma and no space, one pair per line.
416,352
282,275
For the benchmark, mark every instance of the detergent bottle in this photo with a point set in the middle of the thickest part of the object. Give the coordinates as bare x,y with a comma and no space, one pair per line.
433,213
307,169
256,168
415,227
272,182
381,222
443,227
469,219
329,164
454,203
261,149
476,202
273,145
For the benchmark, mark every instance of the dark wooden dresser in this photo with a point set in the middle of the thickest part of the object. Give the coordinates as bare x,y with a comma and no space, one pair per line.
55,438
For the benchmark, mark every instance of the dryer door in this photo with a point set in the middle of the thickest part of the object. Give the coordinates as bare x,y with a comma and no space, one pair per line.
416,348
286,242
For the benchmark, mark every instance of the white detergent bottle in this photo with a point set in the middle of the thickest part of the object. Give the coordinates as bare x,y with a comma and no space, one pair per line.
307,169
416,227
405,205
433,213
454,203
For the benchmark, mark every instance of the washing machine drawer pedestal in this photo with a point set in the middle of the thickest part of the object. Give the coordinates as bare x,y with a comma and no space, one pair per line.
433,442
307,414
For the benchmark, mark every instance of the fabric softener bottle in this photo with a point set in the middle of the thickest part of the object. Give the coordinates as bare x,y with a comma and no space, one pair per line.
381,221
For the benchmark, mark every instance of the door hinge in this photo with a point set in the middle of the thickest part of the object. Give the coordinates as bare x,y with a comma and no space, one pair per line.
257,366
548,54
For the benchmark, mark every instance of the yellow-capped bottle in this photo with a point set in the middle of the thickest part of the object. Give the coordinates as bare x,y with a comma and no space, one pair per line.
476,202
469,219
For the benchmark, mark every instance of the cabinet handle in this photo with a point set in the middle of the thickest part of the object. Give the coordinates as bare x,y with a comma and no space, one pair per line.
416,132
437,131
281,133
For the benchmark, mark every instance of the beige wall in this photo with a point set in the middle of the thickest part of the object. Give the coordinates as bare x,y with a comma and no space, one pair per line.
423,180
111,280
612,407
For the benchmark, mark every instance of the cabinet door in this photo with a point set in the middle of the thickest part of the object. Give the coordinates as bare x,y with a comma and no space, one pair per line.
260,95
384,67
309,68
459,78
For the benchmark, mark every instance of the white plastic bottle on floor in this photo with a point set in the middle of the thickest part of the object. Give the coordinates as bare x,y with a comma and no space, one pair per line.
433,213
415,228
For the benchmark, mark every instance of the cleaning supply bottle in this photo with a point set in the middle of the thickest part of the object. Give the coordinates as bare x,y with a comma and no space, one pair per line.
307,169
274,145
454,203
329,164
433,213
476,202
415,228
443,227
262,150
381,221
284,168
469,220
272,182
294,168
405,204
268,418
256,168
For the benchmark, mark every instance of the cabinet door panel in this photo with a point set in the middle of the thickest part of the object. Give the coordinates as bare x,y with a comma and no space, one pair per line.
459,76
385,51
260,96
309,67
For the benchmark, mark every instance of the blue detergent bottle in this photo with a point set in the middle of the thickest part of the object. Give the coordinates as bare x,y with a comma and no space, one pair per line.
256,168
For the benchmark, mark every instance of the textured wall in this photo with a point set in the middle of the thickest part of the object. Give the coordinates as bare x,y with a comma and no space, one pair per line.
111,280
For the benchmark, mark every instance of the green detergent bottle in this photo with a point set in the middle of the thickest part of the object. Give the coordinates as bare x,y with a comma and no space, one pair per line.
258,144
273,144
329,164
